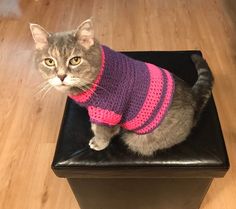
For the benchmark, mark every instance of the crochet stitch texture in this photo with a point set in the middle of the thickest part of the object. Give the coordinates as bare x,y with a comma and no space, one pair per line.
127,92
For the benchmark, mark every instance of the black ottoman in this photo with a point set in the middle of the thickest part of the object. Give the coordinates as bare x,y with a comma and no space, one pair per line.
115,178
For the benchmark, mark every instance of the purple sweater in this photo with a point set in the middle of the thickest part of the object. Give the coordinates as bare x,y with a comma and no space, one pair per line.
130,93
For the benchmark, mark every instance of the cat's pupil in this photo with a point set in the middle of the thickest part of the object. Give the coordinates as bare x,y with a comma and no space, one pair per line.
50,61
76,59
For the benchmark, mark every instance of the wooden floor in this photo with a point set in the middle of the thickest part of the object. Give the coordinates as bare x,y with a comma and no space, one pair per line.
29,122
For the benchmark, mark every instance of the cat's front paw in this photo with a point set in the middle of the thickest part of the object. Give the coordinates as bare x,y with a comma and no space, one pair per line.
98,144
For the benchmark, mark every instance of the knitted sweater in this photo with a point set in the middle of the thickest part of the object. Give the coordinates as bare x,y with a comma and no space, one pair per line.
132,94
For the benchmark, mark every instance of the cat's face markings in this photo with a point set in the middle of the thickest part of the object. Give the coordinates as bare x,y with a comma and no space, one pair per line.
67,59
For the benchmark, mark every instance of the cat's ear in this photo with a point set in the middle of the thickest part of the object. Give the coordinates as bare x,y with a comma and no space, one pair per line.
40,36
85,34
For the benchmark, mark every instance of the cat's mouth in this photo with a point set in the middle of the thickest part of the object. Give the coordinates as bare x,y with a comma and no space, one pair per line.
74,89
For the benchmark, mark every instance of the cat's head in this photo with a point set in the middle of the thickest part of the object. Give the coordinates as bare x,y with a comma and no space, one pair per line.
69,61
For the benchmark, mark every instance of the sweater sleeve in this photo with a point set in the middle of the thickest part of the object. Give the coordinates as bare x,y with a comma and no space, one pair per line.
104,117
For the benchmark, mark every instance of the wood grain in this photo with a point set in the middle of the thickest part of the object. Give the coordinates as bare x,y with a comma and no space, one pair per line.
29,124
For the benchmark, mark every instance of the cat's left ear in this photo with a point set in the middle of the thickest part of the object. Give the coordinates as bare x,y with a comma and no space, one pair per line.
40,36
85,34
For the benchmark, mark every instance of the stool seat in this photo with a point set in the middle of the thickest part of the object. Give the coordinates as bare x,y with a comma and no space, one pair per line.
201,156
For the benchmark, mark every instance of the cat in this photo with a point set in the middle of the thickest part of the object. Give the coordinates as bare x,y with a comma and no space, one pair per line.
74,62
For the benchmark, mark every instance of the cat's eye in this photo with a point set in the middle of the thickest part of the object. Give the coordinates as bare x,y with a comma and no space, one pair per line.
75,61
49,62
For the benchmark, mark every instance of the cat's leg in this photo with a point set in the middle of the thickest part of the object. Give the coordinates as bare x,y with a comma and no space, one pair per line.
102,136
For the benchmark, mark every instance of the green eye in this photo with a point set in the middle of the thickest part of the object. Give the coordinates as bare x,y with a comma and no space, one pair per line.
49,62
75,61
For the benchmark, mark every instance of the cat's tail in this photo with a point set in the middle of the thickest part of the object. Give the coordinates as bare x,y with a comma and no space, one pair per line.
203,86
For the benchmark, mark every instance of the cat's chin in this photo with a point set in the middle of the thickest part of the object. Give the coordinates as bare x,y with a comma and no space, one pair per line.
68,89
63,88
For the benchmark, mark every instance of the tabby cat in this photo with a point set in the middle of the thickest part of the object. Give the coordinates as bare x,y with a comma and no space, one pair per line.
153,108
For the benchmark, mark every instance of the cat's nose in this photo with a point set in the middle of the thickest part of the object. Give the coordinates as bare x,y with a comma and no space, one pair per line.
62,76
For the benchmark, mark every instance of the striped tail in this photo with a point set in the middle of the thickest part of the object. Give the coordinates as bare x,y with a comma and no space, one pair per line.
203,86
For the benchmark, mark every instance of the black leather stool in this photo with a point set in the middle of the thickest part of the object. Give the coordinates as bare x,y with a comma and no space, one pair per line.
115,178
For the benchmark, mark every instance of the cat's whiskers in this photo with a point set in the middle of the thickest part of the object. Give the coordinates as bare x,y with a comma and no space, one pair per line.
86,82
42,87
47,91
84,87
87,88
42,83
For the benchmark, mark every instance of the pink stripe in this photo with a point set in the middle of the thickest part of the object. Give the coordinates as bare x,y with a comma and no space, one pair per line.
83,97
103,116
153,96
164,107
